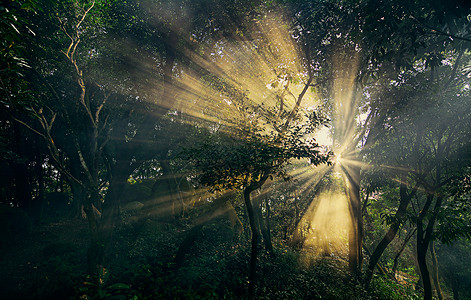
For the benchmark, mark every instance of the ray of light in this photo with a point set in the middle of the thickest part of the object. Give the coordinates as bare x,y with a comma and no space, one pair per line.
314,176
255,70
328,227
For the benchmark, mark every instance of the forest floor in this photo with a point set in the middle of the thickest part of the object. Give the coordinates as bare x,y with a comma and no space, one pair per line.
50,255
49,263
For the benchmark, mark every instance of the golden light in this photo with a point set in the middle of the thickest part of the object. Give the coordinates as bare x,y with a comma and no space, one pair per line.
261,68
329,224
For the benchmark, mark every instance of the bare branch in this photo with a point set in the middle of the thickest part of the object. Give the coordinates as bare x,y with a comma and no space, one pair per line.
441,32
84,164
97,113
84,15
298,103
29,127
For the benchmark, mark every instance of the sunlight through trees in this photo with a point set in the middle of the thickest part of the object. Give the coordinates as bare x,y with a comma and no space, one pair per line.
235,149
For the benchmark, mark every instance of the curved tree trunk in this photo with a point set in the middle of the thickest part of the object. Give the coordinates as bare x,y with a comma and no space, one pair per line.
102,228
391,234
399,253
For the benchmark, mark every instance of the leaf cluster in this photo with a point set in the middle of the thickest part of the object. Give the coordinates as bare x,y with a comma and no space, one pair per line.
226,161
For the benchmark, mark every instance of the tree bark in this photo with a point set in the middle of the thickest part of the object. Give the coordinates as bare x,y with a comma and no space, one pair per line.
269,243
425,275
435,278
391,234
355,236
255,236
399,253
262,224
424,236
93,260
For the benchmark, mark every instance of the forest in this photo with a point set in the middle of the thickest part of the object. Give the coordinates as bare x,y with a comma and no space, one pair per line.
235,149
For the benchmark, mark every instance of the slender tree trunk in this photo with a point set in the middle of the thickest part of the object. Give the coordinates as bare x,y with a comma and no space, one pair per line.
355,236
378,265
253,253
399,253
422,247
262,224
268,244
258,217
424,236
391,234
425,275
93,261
435,278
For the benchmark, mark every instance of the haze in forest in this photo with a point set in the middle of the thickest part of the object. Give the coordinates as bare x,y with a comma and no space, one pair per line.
235,149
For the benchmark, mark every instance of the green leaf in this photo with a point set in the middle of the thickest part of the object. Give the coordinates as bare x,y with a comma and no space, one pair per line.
119,286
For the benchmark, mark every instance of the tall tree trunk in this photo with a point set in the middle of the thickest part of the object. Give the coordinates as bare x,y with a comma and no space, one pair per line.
355,236
425,275
255,236
435,278
419,285
424,237
93,252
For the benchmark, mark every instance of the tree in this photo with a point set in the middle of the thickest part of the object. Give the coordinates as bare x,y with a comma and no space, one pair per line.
348,39
98,125
429,147
225,162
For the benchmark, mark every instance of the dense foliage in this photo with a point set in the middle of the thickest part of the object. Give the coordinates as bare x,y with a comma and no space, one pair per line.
280,149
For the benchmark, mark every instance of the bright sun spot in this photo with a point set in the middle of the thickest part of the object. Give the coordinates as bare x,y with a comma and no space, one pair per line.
327,222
